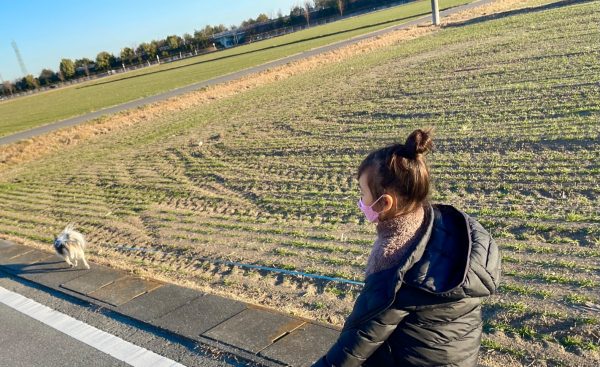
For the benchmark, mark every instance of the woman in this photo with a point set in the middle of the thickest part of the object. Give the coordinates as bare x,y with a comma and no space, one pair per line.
428,270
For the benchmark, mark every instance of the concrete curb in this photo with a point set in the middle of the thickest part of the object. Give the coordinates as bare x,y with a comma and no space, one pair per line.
252,333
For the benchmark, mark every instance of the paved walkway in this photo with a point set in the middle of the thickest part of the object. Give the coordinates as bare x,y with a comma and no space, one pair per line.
252,333
224,79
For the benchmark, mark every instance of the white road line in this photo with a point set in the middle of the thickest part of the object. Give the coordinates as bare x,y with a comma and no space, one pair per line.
103,341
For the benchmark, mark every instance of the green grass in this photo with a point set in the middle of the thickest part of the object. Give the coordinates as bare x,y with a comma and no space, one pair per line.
31,111
524,290
493,345
576,341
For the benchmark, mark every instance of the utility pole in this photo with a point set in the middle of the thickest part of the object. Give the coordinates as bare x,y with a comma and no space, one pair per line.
435,12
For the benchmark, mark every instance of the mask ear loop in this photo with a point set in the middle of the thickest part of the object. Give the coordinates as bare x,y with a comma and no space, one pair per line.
371,206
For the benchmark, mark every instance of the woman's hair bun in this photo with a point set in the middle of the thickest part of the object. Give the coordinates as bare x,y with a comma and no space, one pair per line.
419,142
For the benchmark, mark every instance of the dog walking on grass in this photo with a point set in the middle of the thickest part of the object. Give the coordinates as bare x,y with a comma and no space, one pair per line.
69,245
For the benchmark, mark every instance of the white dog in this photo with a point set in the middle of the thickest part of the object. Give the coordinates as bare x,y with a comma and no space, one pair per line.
69,245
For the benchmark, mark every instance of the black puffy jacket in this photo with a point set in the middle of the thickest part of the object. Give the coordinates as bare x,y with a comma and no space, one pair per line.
426,311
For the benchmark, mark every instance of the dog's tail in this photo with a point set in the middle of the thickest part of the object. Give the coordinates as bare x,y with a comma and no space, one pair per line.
74,235
69,228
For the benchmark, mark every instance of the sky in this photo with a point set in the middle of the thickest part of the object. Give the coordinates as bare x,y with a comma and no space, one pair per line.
48,30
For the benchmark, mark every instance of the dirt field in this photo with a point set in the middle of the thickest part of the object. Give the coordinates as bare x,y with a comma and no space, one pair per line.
261,171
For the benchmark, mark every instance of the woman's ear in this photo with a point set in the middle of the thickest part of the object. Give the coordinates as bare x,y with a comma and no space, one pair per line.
387,202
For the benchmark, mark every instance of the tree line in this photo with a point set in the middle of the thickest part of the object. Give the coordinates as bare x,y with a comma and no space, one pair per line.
199,41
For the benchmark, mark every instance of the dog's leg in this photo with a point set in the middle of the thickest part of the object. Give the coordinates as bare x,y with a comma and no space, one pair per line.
68,261
79,255
73,255
85,263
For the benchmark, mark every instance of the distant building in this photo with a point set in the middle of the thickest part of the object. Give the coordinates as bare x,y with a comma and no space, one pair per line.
81,69
228,39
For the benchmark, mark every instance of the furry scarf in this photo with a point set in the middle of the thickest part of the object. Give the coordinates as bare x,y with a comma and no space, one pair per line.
396,237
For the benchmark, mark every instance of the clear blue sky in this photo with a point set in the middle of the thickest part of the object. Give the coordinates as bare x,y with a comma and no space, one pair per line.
48,30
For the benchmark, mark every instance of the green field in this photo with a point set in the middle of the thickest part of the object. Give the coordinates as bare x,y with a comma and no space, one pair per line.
31,111
268,177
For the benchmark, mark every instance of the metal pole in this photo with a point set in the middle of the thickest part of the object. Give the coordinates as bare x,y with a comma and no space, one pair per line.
435,12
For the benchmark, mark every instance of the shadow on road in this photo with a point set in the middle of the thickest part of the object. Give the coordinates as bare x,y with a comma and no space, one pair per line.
40,268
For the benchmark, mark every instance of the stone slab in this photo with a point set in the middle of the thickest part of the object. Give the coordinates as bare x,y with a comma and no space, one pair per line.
17,264
199,315
159,302
96,278
253,329
303,346
123,290
7,253
51,272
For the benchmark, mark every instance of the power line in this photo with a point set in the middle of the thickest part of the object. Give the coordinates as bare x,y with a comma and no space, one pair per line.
21,63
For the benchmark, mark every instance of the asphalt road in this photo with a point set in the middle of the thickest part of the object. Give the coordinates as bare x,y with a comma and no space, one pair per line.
222,79
25,341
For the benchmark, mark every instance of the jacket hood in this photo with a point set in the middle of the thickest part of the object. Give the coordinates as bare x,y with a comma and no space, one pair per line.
457,259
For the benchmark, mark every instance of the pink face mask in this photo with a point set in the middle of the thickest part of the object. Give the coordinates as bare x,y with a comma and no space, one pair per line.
372,215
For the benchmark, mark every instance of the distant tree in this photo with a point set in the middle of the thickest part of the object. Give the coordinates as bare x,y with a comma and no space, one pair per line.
296,15
250,22
104,60
8,88
325,4
210,30
220,28
152,49
127,54
247,23
30,82
174,42
140,51
82,62
47,76
201,39
280,19
136,55
188,41
207,31
67,68
262,18
162,46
